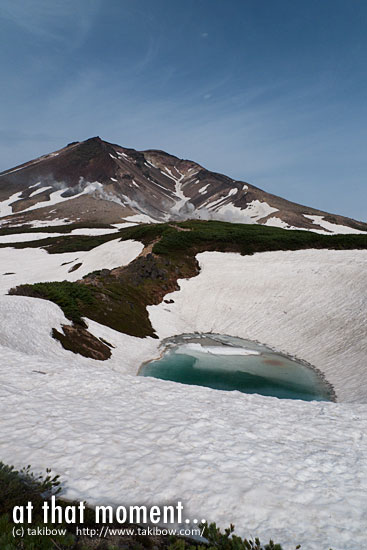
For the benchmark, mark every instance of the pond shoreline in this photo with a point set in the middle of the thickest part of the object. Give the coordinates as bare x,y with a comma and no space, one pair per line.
204,341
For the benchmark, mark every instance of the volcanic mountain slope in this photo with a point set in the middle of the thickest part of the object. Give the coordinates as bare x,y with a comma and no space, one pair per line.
96,181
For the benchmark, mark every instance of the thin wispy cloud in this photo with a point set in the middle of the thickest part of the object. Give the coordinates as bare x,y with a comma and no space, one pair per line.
56,21
275,99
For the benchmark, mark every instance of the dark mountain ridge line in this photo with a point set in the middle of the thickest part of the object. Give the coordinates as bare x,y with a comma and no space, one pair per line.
118,298
149,182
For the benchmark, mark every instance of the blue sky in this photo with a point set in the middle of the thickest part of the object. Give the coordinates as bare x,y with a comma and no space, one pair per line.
272,92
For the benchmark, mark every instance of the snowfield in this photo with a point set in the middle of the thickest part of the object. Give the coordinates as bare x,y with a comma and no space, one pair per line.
32,265
311,304
291,470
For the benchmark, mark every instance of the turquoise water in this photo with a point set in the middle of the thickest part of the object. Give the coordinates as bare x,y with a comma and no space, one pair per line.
226,363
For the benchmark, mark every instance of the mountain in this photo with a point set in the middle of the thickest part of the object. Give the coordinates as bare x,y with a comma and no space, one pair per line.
84,306
98,182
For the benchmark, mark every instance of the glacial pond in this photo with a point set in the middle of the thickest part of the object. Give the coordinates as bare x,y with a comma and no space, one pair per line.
229,363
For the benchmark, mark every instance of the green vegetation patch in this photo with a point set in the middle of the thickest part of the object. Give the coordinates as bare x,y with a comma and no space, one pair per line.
65,228
247,239
198,235
72,298
66,243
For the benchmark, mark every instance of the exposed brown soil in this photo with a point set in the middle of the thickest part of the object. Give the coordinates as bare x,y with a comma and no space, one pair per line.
75,267
79,340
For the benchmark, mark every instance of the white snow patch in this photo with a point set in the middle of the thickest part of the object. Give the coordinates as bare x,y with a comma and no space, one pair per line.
125,156
5,206
48,223
182,199
32,265
24,237
215,204
140,218
274,221
56,198
124,225
40,190
213,350
151,164
167,172
258,209
231,213
92,231
334,228
203,190
277,222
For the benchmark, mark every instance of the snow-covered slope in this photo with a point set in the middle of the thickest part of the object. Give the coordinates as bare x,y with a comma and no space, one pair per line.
35,265
308,303
290,470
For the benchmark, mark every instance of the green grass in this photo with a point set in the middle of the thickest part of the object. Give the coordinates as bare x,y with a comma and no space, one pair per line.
66,228
70,297
248,239
202,235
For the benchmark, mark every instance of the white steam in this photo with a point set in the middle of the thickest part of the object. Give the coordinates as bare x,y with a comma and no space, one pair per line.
228,213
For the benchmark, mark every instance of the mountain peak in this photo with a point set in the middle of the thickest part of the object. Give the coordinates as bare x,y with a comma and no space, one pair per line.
95,179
